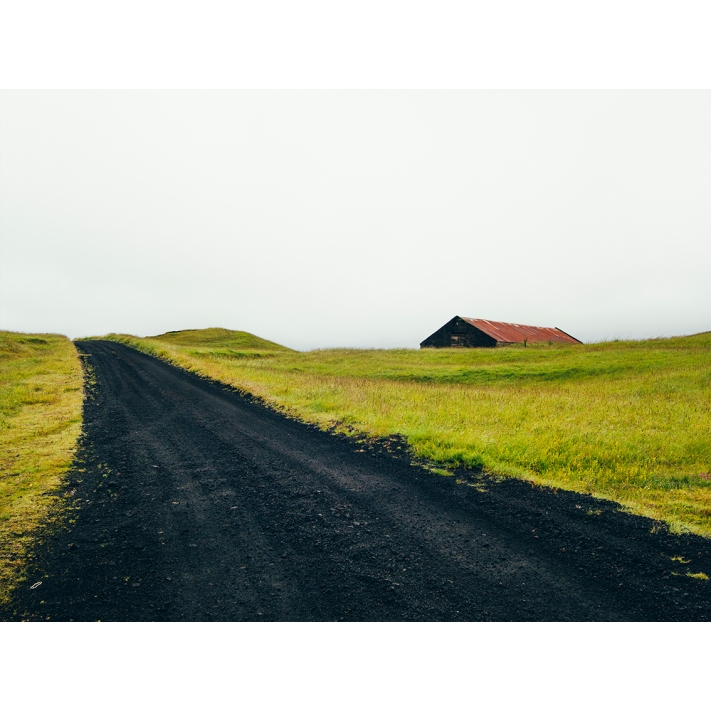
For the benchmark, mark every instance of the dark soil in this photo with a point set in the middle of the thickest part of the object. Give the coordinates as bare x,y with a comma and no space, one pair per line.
192,502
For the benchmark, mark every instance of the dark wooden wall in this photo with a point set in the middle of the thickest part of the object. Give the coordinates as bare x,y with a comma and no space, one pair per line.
465,336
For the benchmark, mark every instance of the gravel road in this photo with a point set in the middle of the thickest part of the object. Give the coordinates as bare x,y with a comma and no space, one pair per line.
193,502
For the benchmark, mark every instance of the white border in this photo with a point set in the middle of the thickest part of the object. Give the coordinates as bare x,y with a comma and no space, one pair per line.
365,44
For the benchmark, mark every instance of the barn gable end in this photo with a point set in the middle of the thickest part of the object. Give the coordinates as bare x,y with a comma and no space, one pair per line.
463,332
459,333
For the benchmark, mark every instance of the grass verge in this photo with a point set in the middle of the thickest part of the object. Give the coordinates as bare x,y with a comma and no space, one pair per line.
41,395
627,421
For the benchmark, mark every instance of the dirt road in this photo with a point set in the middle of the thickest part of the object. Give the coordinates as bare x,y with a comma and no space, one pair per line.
192,502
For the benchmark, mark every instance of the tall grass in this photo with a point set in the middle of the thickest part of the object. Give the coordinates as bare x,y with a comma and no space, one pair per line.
40,421
628,421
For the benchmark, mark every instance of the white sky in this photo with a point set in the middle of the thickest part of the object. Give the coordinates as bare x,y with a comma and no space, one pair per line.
352,218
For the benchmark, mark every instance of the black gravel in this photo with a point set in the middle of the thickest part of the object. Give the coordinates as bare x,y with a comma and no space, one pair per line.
192,502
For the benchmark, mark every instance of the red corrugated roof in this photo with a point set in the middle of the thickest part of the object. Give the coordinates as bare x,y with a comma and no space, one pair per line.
517,333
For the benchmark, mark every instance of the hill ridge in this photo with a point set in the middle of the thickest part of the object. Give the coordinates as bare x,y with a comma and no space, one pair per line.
217,336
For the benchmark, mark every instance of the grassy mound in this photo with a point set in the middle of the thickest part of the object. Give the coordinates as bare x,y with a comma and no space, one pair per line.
218,338
41,397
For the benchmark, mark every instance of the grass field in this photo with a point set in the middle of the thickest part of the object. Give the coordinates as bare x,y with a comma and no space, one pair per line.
41,396
627,421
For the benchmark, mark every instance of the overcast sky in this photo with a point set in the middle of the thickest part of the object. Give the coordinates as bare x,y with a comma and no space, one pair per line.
363,219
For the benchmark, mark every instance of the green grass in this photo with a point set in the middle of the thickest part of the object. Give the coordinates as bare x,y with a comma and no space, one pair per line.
41,395
221,338
628,421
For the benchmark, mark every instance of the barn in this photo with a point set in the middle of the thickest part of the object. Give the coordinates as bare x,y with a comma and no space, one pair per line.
462,332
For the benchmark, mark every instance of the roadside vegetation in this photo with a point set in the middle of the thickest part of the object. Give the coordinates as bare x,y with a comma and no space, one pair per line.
41,395
626,420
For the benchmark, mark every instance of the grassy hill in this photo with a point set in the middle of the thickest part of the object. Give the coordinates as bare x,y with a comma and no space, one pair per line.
40,420
628,420
218,338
